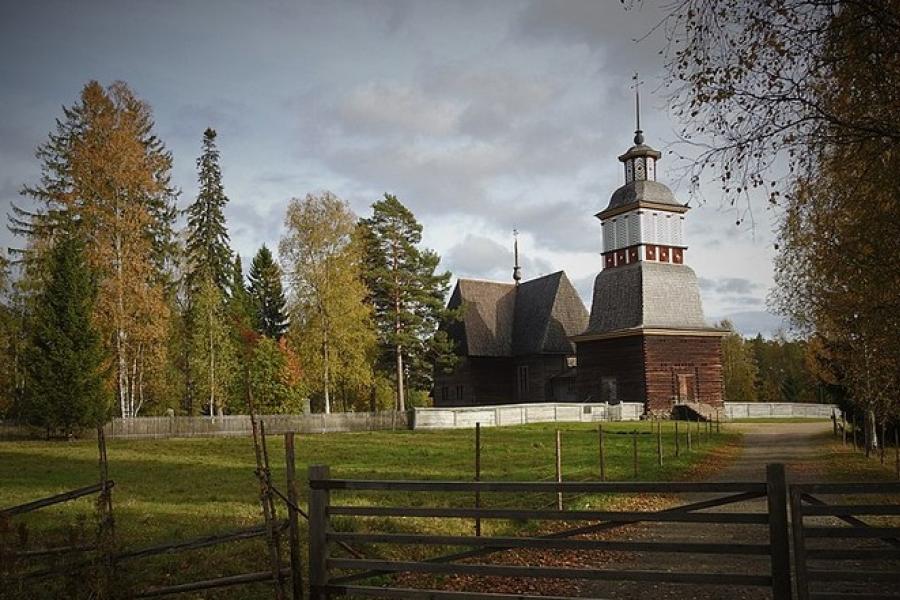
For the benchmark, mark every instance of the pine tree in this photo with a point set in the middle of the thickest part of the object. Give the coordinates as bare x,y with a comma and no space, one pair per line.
331,324
208,252
267,296
406,293
64,360
106,172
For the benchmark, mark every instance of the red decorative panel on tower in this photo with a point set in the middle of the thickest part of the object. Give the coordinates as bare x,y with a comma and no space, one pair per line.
609,260
664,255
677,256
632,255
651,252
620,257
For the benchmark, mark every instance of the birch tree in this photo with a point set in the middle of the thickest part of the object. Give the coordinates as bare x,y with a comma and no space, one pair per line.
331,323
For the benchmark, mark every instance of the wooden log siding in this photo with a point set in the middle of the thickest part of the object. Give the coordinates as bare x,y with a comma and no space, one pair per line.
322,489
875,564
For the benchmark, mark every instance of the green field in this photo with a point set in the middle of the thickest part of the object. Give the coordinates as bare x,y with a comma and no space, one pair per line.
170,489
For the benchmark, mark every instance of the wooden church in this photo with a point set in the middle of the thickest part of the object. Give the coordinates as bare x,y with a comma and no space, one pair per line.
646,339
513,341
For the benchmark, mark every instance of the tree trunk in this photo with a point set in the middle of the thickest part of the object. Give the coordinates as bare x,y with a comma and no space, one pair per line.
401,403
212,368
326,370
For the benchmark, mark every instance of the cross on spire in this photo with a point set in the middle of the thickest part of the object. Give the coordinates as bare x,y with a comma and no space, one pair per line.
517,270
638,134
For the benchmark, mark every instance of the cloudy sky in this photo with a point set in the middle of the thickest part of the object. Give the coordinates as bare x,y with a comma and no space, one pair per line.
481,117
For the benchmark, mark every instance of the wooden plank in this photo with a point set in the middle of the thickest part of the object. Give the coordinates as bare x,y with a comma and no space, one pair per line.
549,515
293,516
616,487
552,544
799,544
853,554
852,509
730,579
56,499
208,584
885,487
855,576
196,543
851,596
318,531
413,594
776,501
852,532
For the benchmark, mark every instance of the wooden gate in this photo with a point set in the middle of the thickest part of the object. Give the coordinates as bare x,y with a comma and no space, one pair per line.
837,554
356,573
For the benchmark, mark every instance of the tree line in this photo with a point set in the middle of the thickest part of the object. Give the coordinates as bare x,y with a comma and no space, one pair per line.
776,369
111,310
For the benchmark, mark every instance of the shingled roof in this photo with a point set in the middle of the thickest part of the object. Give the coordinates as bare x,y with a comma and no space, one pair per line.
646,295
500,319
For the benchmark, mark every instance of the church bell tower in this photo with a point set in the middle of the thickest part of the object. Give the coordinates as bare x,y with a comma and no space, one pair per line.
647,340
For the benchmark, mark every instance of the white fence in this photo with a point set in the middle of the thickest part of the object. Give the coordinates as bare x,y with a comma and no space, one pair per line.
230,425
520,414
779,410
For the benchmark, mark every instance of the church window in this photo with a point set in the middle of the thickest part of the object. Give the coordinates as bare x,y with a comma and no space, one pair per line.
445,394
629,171
459,394
523,379
651,169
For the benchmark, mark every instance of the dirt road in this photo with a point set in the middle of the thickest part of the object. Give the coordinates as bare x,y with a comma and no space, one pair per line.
793,444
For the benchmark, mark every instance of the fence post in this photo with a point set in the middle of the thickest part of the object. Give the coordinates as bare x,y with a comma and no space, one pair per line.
477,475
634,445
699,437
897,449
107,533
318,529
717,420
602,455
776,496
559,496
843,429
799,544
688,436
659,452
677,441
293,517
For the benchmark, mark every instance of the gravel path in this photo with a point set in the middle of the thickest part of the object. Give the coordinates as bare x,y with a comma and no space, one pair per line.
762,443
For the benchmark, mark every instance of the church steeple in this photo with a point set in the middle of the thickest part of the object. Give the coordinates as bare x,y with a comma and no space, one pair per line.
517,270
643,221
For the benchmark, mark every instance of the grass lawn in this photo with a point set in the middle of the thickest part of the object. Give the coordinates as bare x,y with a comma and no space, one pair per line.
171,489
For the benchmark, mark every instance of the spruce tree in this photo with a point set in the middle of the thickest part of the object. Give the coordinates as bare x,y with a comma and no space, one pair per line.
239,306
208,252
64,360
407,295
267,296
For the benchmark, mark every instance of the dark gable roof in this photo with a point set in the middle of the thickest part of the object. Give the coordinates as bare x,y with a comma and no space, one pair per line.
500,320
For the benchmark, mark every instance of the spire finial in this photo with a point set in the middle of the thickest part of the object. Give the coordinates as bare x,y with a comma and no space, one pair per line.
517,270
638,134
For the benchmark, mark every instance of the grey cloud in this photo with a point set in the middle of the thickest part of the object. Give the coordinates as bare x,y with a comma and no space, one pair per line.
751,323
483,258
735,286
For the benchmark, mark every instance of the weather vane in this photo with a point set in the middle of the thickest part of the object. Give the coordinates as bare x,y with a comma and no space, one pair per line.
638,134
